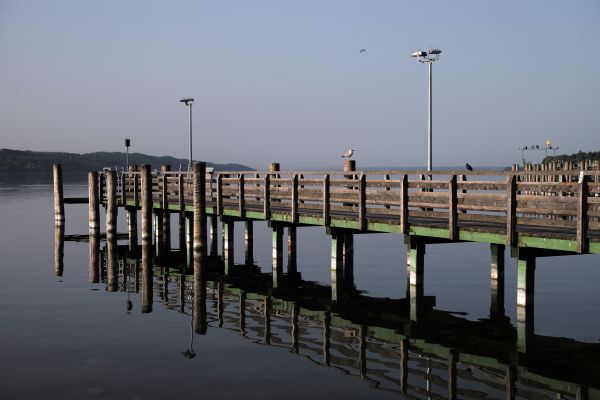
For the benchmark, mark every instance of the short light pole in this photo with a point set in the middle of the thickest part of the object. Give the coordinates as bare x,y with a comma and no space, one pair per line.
127,144
428,57
188,102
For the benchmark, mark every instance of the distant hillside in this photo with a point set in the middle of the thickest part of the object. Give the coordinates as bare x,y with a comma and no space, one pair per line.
575,157
40,161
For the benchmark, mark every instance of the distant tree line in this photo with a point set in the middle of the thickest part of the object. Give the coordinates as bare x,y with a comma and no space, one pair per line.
575,157
39,161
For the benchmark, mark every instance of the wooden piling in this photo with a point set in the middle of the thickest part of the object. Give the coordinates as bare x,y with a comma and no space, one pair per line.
181,206
112,263
199,186
292,266
337,265
93,202
228,245
453,356
417,269
59,201
146,195
111,203
214,236
525,300
277,254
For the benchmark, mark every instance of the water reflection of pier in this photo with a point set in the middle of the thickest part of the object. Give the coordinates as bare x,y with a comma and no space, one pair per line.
438,355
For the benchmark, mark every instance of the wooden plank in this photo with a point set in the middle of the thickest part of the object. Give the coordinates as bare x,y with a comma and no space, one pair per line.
551,223
452,210
481,185
582,218
75,200
511,210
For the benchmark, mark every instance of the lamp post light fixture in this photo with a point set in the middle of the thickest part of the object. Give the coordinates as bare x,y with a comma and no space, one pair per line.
127,144
428,57
188,102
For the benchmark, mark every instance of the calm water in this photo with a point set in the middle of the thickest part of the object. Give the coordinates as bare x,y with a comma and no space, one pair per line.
63,337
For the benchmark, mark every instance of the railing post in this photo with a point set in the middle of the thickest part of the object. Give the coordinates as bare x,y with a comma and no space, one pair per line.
362,209
387,189
582,211
181,203
404,204
295,199
220,194
511,210
452,209
241,195
267,196
166,215
326,205
59,202
136,189
146,181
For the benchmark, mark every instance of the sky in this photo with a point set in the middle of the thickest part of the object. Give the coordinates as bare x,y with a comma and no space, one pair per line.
284,81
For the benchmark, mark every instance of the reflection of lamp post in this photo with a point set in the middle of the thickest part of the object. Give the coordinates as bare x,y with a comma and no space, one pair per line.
428,57
127,144
189,353
188,102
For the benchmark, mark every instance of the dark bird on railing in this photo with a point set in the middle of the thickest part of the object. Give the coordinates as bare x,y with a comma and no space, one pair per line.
362,51
468,167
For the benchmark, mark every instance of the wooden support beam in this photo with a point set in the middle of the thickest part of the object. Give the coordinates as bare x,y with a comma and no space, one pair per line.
362,208
497,280
59,205
249,242
214,236
166,215
511,210
337,265
452,209
277,254
241,196
136,186
326,205
417,269
181,205
220,194
292,253
267,197
525,300
294,210
582,217
146,181
404,204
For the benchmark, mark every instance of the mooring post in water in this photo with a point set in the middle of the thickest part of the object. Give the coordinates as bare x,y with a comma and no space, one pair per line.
525,295
111,203
249,242
59,249
166,215
132,210
337,264
277,254
93,203
214,236
59,201
497,280
417,268
292,266
228,245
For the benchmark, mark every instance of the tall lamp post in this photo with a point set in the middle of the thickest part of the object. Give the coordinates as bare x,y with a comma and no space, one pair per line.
428,57
188,102
127,144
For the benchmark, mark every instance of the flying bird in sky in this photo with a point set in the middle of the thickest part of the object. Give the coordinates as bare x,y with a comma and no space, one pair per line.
348,154
362,51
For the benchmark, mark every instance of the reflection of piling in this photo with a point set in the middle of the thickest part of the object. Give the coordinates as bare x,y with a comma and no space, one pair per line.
112,263
59,249
277,254
94,202
147,263
94,256
111,203
199,319
59,201
249,242
166,215
228,246
525,295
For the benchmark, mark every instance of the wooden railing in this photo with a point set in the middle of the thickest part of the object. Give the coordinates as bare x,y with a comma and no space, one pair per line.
541,202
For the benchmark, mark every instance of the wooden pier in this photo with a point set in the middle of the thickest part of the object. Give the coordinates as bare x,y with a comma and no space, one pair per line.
534,213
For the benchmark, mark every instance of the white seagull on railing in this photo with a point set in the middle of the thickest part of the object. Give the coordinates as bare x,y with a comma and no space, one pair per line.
348,154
